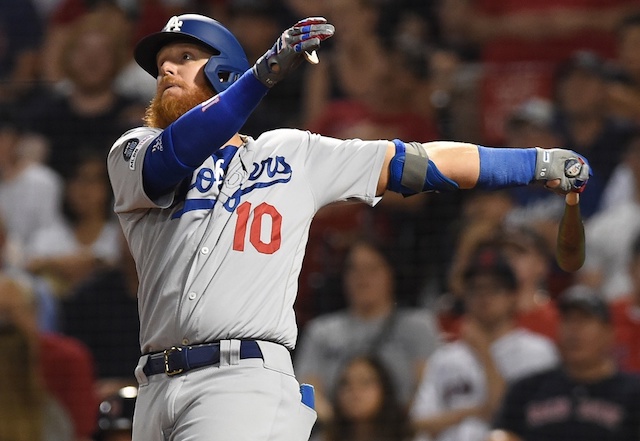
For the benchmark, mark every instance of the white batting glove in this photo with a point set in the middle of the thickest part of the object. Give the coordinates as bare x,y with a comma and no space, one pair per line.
290,50
570,168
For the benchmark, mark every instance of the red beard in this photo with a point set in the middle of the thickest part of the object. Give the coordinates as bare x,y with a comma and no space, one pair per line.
162,111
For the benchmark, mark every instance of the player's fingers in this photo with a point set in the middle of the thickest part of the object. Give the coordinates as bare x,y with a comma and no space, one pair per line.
310,21
553,184
321,31
557,186
307,45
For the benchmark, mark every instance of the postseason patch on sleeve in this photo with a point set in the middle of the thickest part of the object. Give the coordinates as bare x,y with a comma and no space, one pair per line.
130,151
129,147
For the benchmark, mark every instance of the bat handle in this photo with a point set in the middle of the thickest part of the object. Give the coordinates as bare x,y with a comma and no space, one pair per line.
570,251
572,198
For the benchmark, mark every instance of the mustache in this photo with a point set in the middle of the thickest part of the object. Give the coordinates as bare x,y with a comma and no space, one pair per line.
167,81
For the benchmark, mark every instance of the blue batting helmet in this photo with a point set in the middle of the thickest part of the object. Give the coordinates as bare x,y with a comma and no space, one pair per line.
225,66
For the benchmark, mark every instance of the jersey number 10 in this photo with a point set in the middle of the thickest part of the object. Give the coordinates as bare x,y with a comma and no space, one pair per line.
255,231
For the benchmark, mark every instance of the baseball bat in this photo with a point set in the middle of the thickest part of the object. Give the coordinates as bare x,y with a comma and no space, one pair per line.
570,248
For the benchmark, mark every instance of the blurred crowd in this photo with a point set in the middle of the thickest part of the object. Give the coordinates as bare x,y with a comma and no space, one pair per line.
440,316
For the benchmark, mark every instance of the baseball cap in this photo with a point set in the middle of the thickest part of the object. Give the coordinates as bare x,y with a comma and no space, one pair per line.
488,260
586,299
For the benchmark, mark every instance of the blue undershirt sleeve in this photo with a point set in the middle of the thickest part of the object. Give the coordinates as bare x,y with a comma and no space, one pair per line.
196,135
505,167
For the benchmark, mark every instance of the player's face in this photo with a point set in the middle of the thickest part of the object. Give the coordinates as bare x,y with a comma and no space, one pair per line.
360,393
181,83
180,68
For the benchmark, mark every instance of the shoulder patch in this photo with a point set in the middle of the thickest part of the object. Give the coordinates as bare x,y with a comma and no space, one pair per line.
129,147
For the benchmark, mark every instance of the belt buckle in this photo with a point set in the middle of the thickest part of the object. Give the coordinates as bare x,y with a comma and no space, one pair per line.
167,353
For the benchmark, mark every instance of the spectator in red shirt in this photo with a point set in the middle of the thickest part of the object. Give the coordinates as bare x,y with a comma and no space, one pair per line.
66,365
626,318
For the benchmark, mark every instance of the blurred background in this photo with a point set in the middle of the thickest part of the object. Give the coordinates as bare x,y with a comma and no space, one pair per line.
501,73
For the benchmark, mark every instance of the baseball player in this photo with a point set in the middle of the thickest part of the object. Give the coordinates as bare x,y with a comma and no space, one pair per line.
217,223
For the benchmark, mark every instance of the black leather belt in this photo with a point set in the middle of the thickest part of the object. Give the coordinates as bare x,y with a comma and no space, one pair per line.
181,359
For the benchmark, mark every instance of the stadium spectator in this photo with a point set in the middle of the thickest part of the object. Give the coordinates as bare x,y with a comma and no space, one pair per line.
608,235
531,123
465,380
586,398
21,35
624,87
90,114
522,43
27,411
65,364
371,324
103,314
47,305
584,124
366,405
30,192
68,251
530,257
350,70
625,313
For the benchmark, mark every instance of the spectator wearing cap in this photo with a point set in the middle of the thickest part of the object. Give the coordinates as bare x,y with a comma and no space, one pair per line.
529,256
586,398
584,123
464,380
625,313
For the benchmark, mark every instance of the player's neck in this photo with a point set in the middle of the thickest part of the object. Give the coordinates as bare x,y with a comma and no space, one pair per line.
236,140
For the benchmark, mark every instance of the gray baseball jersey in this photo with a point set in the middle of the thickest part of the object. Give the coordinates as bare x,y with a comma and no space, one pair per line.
219,257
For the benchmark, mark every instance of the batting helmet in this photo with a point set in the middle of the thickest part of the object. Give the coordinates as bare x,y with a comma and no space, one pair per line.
225,66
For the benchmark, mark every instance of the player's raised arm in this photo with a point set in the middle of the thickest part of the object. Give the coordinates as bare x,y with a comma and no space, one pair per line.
193,48
411,168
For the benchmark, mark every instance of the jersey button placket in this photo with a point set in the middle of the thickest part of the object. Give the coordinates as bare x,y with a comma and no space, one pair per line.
204,250
192,295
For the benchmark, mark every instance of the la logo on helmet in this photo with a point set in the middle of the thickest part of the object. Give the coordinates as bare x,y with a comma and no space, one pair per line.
174,24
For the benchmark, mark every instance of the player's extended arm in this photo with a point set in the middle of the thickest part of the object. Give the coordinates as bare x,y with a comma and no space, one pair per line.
411,168
197,134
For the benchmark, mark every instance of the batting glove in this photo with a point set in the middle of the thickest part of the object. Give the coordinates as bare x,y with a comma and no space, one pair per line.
570,168
292,47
